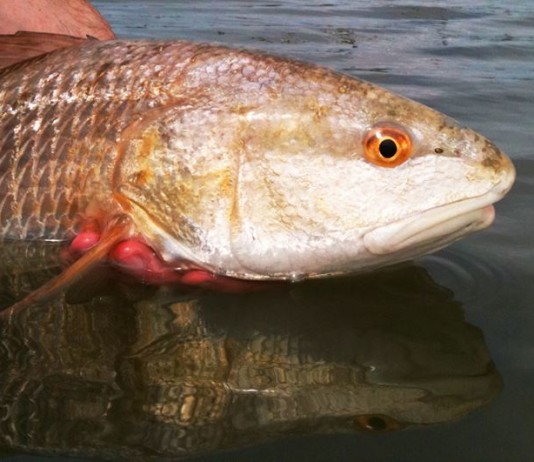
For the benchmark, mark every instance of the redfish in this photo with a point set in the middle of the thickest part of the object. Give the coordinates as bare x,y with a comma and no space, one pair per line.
200,164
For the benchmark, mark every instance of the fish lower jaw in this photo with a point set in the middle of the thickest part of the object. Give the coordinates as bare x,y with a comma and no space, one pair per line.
432,229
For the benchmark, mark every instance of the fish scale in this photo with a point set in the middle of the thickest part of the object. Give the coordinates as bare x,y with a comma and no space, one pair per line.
48,170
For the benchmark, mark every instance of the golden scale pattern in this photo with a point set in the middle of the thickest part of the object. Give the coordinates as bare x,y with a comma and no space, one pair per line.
62,115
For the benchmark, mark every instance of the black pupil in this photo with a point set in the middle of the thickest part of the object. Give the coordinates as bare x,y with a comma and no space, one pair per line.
376,423
387,148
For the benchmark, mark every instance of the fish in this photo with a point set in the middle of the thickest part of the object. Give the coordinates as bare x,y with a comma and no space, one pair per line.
172,376
198,164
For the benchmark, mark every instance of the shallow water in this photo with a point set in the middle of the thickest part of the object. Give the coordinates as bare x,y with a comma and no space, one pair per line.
119,380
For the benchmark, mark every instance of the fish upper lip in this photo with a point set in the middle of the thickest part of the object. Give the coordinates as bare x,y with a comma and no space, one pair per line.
433,228
439,226
421,230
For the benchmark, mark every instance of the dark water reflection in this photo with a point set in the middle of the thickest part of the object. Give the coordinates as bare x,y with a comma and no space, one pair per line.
177,375
315,357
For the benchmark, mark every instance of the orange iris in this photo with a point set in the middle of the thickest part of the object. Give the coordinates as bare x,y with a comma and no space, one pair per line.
387,146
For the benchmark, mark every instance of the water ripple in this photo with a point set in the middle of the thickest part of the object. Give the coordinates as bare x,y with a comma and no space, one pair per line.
475,280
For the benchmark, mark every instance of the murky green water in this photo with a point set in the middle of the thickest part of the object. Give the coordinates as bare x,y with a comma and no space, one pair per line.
311,372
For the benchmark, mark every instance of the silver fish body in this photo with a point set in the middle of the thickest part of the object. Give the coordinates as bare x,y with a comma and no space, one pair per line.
245,164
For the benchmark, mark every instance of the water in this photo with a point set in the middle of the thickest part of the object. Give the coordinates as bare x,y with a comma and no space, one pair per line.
123,376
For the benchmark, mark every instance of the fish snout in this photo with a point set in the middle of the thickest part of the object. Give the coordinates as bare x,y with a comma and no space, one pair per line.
499,166
490,161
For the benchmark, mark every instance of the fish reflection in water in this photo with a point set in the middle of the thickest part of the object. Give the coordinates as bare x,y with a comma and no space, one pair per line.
172,374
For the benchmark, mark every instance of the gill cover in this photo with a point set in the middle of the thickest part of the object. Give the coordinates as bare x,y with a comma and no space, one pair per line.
177,181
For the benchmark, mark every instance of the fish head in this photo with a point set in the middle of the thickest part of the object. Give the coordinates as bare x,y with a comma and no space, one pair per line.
304,173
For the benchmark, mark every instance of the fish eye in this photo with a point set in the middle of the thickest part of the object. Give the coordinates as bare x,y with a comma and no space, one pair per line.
377,423
387,146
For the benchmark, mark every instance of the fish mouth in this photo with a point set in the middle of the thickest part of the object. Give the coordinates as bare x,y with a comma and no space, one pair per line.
434,228
437,227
